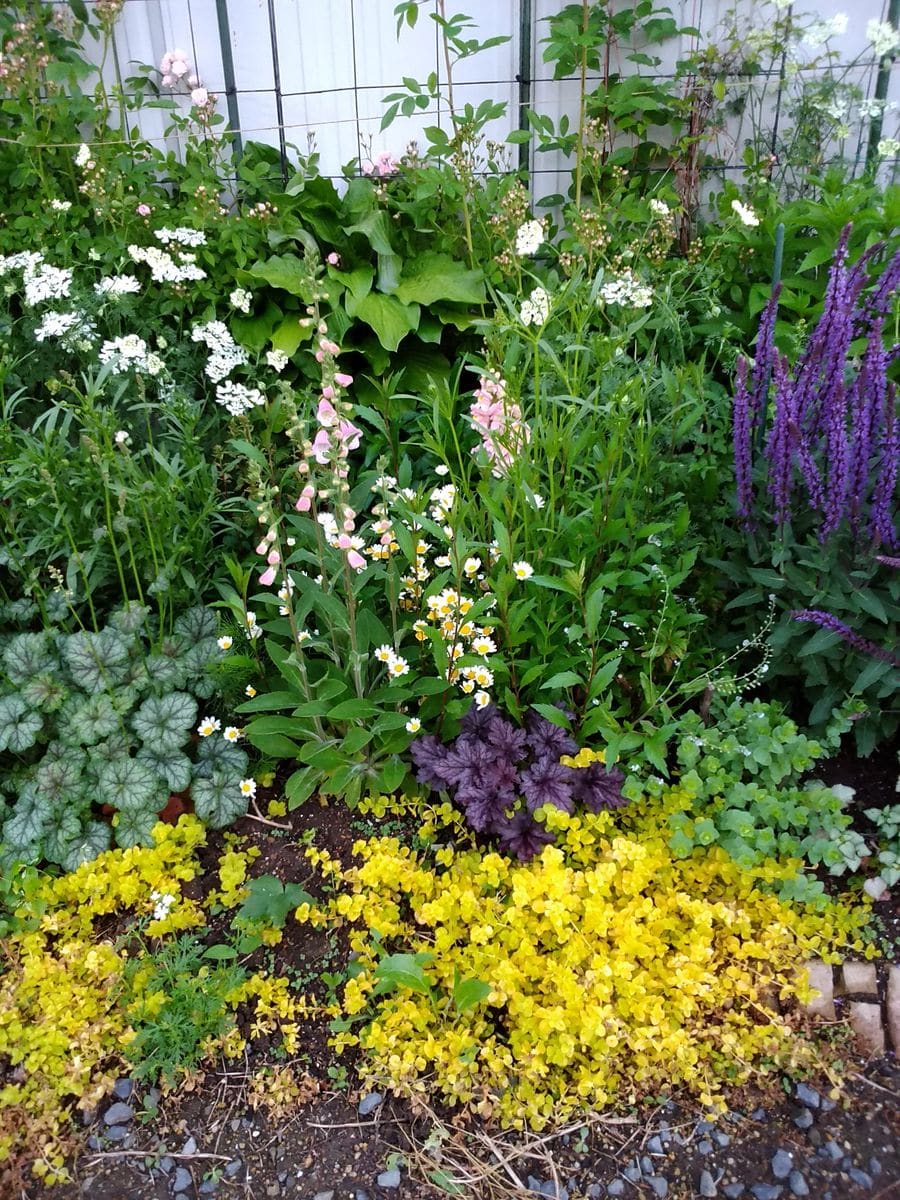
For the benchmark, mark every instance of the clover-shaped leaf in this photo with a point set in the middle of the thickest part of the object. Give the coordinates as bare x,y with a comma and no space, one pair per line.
130,786
164,722
218,800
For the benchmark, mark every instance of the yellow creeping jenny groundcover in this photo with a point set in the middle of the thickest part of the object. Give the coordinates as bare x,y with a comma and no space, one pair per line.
612,968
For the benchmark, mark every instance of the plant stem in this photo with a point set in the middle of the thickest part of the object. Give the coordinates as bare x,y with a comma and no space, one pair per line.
582,80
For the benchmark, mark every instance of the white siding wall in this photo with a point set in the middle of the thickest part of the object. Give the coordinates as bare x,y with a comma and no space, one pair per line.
336,60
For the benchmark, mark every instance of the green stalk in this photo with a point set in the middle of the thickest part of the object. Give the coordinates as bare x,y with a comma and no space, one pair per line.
582,105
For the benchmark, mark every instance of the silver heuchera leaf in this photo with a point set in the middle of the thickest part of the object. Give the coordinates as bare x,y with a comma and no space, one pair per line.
215,754
218,800
28,655
94,839
89,720
164,722
24,830
130,786
173,768
135,828
130,619
196,624
19,725
97,660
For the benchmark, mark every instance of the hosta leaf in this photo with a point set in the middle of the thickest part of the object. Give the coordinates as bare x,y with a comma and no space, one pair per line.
97,660
171,766
28,655
196,624
164,722
218,800
135,828
130,786
19,724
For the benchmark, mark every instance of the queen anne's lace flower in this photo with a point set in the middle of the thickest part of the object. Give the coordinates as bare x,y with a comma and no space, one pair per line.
536,309
884,37
745,214
238,399
627,290
117,285
529,238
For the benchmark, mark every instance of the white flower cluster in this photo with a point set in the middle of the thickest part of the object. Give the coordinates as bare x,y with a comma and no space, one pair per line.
181,236
176,66
240,298
395,663
224,352
819,32
164,268
71,327
117,285
529,238
60,205
888,148
124,353
252,630
873,108
162,902
536,309
25,260
659,208
884,37
42,282
83,156
277,360
627,290
238,399
745,214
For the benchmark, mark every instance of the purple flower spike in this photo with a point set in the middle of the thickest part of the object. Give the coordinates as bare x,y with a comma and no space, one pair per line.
826,621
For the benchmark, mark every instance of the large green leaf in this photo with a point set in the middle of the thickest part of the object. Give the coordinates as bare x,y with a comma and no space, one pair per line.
173,767
288,272
433,276
19,726
390,320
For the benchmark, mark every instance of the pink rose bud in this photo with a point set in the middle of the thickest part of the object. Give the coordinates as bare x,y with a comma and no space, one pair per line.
169,80
268,577
144,210
199,96
179,68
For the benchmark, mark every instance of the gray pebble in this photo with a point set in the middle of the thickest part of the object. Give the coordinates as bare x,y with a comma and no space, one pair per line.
707,1184
94,1143
616,1188
860,1177
658,1185
827,1105
647,1164
705,1126
808,1096
654,1145
814,1136
758,1114
369,1103
733,1190
632,1173
88,1186
208,1187
705,1147
118,1114
190,1146
324,1195
782,1164
389,1179
123,1089
152,1097
554,1191
766,1191
874,1166
233,1167
362,1194
533,1184
593,1191
722,1138
116,1133
798,1185
182,1180
803,1119
166,1164
833,1150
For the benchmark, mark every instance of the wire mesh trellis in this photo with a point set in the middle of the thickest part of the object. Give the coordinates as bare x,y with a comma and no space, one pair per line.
289,68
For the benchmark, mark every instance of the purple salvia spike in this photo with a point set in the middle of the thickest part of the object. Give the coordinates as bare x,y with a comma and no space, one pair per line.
836,442
763,362
742,432
780,445
867,413
881,515
825,620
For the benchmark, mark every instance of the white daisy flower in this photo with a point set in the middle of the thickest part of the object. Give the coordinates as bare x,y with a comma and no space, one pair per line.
225,643
231,733
208,726
522,570
248,788
413,725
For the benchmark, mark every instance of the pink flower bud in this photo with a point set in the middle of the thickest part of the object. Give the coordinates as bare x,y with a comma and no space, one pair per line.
344,541
356,560
303,504
325,413
328,391
144,210
348,525
262,548
334,258
273,558
199,96
320,356
169,80
342,379
268,577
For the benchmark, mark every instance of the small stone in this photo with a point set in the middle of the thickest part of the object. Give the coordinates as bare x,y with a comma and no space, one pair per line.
189,1147
116,1133
833,1150
797,1184
324,1195
166,1164
94,1143
782,1164
647,1164
874,1166
118,1114
733,1190
208,1187
182,1180
616,1188
722,1138
654,1145
865,1020
232,1168
821,978
705,1126
860,1177
553,1190
658,1185
593,1191
123,1089
758,1114
533,1184
632,1173
860,977
808,1096
705,1147
765,1191
827,1105
707,1184
152,1098
369,1103
803,1119
274,1189
88,1186
814,1136
362,1194
389,1179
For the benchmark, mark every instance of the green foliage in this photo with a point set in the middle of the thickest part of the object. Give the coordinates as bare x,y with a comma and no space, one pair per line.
111,731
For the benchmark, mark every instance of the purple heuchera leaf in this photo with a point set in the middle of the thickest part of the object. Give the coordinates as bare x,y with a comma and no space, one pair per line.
546,739
522,835
547,781
429,756
597,788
